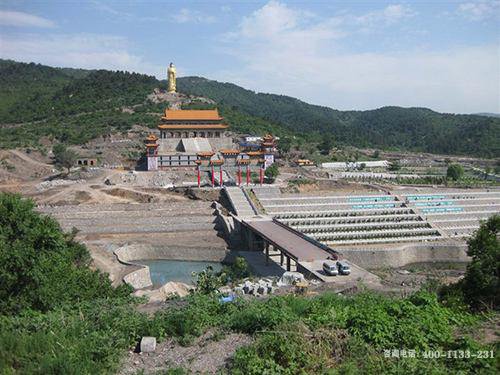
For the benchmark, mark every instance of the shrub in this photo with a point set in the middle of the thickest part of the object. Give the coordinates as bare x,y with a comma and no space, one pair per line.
272,172
40,266
481,285
455,172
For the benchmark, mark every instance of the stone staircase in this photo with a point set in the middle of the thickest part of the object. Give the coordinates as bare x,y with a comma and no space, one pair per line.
239,201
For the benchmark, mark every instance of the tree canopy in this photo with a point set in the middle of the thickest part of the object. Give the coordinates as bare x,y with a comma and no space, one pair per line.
481,284
455,172
75,106
40,266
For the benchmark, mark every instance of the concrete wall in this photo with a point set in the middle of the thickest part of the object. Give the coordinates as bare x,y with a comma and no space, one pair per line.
406,254
134,252
139,279
130,254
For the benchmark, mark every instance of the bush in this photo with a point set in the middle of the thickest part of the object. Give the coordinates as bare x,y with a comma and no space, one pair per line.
41,267
481,284
208,281
455,172
237,270
272,172
63,157
394,166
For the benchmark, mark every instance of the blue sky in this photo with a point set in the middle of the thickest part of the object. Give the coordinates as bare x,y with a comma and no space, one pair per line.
444,55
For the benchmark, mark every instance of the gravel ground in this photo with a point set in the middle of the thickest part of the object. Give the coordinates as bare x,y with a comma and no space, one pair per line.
208,354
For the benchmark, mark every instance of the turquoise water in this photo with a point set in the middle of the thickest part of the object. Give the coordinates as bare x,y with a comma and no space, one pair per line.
162,271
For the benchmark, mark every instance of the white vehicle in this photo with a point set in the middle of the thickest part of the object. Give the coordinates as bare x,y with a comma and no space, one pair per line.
343,268
330,268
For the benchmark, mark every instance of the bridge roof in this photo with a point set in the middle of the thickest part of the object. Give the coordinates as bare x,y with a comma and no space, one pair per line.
288,240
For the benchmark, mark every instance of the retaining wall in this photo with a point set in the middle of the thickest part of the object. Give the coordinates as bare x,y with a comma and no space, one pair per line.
130,254
135,252
406,254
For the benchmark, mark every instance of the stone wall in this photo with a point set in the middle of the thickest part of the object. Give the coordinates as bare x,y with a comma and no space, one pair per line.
406,254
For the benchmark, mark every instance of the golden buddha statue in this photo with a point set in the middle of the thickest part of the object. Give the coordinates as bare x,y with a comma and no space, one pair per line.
171,72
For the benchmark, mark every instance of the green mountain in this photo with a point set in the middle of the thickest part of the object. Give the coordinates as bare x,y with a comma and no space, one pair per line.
415,129
75,105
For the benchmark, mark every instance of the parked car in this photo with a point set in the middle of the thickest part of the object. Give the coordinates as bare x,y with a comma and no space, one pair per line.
343,268
330,268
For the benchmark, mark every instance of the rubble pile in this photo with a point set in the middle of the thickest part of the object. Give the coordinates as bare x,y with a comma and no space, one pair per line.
46,185
261,287
158,179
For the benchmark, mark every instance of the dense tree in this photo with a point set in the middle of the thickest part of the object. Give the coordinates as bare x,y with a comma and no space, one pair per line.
64,157
455,172
272,172
75,106
326,145
481,285
40,266
284,144
417,129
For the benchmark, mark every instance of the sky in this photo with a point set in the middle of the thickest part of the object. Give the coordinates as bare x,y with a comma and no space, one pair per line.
348,55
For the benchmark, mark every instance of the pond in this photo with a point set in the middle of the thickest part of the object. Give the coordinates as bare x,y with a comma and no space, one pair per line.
162,271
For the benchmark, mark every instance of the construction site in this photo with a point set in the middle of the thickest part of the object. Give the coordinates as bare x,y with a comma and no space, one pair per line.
195,191
197,213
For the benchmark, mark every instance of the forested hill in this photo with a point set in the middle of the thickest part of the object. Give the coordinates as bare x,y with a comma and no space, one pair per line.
75,105
417,129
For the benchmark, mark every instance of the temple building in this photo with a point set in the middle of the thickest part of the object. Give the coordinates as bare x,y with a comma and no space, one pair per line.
201,139
183,134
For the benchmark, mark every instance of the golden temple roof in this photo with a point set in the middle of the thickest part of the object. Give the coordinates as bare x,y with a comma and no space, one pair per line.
254,153
205,154
229,152
151,137
191,126
192,114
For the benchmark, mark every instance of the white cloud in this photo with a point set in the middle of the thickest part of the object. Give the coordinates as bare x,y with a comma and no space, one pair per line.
21,19
192,16
88,51
480,10
389,15
118,14
311,61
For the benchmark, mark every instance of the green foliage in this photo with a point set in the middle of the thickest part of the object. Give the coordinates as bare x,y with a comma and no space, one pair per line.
87,338
350,335
455,172
74,106
292,348
63,157
272,172
40,266
481,285
285,144
207,281
301,181
416,129
326,145
237,270
394,166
